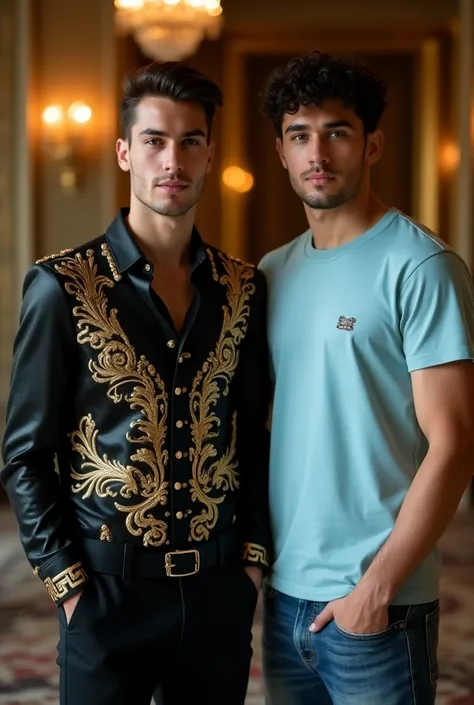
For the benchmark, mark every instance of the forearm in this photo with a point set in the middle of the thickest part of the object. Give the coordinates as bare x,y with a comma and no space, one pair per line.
426,512
33,492
254,520
43,362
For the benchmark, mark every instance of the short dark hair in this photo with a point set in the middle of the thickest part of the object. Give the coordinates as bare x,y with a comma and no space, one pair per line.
316,77
170,79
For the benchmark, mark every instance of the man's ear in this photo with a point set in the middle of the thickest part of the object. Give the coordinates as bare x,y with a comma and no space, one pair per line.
279,149
122,149
210,159
374,146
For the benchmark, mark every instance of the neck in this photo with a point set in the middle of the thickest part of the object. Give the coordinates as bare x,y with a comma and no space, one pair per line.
163,239
338,226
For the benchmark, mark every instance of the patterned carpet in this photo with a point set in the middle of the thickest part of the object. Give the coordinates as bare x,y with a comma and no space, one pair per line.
28,628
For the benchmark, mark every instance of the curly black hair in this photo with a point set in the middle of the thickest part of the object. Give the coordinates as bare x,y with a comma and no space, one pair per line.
316,77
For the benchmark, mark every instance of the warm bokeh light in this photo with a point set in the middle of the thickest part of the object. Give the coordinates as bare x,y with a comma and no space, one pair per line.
79,112
212,6
53,115
238,179
449,156
129,4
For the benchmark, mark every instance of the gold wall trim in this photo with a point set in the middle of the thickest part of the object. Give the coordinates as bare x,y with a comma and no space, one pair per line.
426,183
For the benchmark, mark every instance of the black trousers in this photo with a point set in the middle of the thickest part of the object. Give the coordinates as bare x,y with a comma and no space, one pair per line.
191,637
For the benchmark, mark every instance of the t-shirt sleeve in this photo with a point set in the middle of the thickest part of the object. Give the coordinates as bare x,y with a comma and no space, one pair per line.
437,312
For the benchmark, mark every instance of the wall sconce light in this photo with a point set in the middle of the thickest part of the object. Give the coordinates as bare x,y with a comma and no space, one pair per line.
449,157
238,179
65,140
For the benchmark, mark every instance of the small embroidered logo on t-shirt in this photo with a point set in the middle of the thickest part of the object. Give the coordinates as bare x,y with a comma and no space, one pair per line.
346,323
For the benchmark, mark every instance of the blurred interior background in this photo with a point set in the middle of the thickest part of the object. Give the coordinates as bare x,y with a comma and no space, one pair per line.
61,67
59,182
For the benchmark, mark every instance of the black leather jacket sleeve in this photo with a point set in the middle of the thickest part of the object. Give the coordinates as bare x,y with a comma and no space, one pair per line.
42,365
252,403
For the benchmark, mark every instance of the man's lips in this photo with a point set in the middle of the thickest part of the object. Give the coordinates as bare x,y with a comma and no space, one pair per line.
320,178
173,186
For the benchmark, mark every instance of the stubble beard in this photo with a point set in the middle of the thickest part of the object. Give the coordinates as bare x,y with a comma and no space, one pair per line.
144,194
322,201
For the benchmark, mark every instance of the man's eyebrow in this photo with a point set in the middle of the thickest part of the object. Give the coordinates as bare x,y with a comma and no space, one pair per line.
151,132
297,127
302,127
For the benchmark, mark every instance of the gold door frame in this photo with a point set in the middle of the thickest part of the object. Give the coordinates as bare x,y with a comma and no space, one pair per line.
425,49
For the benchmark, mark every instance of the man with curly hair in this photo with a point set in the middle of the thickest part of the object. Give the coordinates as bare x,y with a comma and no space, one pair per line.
371,322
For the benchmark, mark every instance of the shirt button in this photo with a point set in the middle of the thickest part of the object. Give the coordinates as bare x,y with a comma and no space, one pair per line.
177,391
179,515
178,455
177,485
171,344
179,424
147,268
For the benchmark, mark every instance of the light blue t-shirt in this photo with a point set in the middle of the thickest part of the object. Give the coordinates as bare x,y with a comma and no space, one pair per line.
346,328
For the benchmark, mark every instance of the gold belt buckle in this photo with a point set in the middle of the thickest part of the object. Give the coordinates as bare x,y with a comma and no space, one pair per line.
169,565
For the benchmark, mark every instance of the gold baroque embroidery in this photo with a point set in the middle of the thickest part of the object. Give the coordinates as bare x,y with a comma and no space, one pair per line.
212,381
118,366
255,553
68,579
113,267
50,257
105,533
213,265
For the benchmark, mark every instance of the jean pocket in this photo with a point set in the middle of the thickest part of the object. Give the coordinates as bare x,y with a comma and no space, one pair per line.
392,627
432,635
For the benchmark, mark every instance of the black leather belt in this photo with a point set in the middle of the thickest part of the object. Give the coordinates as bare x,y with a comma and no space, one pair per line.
129,561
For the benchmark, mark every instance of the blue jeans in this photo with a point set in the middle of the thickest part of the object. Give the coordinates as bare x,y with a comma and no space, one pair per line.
333,667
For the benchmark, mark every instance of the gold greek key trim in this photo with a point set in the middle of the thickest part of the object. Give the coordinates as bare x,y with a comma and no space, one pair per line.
59,586
212,480
50,257
113,267
255,553
130,379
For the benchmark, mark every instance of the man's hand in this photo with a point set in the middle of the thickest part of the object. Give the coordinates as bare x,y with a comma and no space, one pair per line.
355,613
70,605
256,575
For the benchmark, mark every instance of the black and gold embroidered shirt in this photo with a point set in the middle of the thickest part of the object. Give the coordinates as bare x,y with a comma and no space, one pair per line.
160,438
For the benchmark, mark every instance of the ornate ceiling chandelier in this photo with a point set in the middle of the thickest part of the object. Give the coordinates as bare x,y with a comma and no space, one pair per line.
169,30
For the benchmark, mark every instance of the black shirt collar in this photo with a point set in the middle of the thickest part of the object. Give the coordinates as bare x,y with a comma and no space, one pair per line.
126,252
